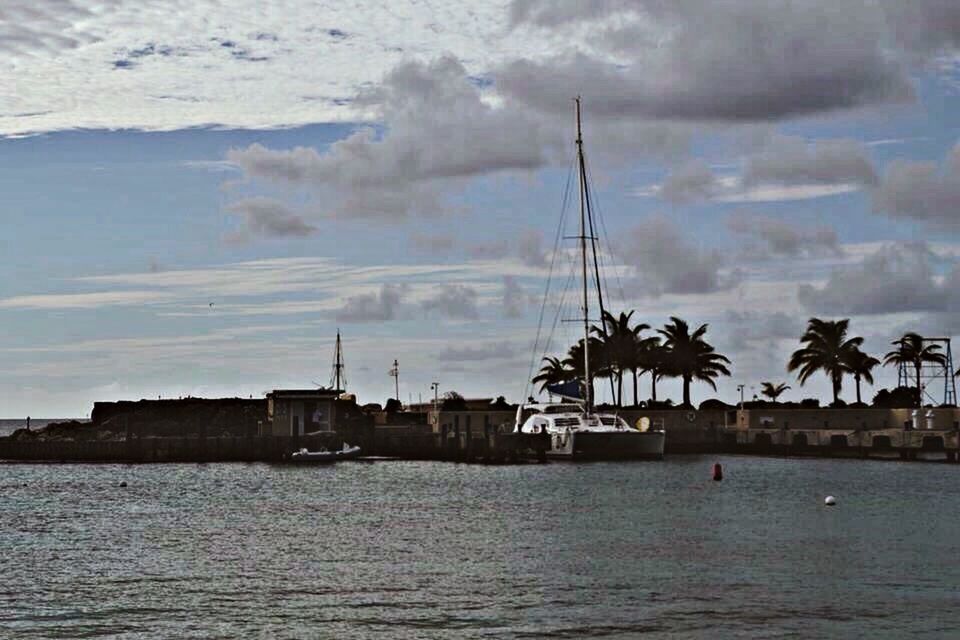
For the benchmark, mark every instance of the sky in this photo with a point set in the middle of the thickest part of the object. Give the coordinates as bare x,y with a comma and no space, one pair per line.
198,194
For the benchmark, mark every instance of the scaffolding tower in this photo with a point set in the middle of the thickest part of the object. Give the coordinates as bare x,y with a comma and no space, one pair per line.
932,374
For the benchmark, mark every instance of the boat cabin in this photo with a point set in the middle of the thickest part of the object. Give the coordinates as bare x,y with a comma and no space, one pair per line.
534,418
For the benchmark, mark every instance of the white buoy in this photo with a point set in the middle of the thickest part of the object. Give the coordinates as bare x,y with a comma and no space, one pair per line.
830,501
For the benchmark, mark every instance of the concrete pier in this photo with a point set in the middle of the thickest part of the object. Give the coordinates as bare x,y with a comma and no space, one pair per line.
486,436
902,444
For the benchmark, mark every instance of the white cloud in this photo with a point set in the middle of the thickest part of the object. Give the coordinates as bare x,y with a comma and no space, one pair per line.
664,261
787,168
454,301
85,300
922,191
897,278
180,63
268,217
438,129
373,307
774,237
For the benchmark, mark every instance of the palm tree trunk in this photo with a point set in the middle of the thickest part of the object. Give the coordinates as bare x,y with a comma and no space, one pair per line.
836,387
857,378
653,385
619,388
918,366
686,391
635,400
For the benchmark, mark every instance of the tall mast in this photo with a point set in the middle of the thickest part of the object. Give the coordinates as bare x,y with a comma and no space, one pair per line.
588,387
339,376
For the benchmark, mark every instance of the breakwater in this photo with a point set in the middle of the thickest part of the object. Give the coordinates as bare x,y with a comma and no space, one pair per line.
194,430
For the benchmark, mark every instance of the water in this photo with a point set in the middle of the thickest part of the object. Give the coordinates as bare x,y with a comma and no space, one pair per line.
441,550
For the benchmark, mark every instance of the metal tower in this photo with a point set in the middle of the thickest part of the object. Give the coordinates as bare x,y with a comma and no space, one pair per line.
338,374
932,375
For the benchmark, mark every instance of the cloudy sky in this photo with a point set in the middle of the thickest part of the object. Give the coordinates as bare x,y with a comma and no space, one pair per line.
197,194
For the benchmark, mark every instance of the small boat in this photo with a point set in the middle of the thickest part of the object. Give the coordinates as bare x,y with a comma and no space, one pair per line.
304,456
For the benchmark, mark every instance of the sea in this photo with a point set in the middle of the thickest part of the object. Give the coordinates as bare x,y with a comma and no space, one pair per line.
392,549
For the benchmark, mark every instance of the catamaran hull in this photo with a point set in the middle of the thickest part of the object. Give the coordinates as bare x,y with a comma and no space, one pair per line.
611,445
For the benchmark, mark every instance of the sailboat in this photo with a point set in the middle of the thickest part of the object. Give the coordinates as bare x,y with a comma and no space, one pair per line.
575,430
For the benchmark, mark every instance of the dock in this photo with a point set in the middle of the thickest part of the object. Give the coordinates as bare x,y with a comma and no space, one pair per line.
232,430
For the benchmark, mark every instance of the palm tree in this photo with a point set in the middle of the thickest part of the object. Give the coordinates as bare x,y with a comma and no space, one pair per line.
619,347
574,361
910,351
773,391
639,360
552,372
860,364
827,347
651,358
689,356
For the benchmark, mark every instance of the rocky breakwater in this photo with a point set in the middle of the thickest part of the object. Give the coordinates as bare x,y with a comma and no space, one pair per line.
187,417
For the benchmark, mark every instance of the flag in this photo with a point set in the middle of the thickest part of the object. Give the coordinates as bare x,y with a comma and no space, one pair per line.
570,390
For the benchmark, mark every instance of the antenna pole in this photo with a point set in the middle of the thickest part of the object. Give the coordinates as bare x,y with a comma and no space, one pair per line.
338,377
588,386
396,379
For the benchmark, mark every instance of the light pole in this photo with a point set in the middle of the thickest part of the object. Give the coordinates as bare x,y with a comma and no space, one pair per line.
436,398
740,389
395,373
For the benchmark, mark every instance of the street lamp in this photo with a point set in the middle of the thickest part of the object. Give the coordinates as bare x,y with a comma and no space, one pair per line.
740,389
436,389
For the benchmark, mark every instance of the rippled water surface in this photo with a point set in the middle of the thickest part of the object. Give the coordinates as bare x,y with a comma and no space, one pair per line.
440,550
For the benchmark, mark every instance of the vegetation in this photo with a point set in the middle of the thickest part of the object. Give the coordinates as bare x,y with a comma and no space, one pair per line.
773,391
452,401
911,351
553,371
897,398
689,357
622,349
827,349
860,365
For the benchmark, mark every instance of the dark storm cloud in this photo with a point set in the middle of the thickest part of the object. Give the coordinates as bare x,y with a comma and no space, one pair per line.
267,217
373,307
731,61
779,238
922,191
663,261
897,278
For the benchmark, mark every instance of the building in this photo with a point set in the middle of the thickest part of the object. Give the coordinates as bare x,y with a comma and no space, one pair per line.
295,412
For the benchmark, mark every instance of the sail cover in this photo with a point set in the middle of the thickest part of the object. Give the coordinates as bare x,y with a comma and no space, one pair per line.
570,390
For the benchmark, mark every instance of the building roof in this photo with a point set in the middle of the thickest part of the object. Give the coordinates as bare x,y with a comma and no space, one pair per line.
305,394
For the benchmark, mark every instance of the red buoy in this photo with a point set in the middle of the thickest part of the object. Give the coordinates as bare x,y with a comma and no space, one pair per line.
717,472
